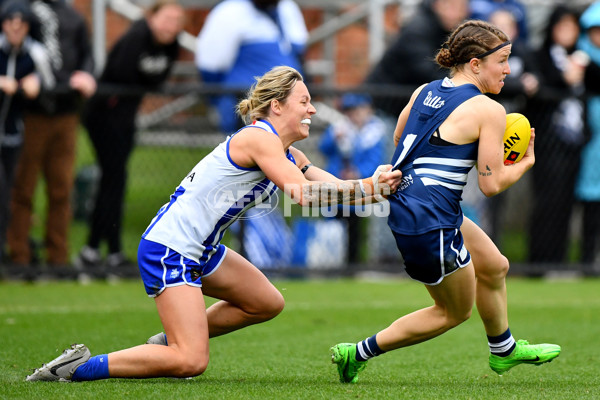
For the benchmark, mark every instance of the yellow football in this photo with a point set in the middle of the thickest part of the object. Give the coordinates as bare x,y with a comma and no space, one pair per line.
516,137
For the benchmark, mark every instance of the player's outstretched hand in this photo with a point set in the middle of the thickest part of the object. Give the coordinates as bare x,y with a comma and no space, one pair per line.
386,181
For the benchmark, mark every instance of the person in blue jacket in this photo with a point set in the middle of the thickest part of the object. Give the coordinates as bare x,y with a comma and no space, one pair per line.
587,188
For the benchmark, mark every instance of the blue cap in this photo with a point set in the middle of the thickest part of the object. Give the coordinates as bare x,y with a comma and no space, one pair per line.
353,100
591,17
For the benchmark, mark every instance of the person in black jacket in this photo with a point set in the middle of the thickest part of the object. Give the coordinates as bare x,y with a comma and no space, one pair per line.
51,126
408,60
558,116
519,87
142,57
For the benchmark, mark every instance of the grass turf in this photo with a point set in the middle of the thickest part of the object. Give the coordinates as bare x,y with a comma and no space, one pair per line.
287,358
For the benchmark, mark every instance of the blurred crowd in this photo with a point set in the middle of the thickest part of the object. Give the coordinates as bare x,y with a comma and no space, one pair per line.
50,87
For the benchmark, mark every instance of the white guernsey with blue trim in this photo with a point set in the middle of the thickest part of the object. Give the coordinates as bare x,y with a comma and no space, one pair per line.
208,200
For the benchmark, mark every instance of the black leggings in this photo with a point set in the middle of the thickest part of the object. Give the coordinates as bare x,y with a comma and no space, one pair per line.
554,178
113,142
591,230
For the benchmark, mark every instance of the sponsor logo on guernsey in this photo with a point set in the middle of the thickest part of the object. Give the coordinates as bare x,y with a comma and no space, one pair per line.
405,182
433,101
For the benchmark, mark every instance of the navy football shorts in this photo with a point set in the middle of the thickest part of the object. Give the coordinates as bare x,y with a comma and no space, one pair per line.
431,256
162,267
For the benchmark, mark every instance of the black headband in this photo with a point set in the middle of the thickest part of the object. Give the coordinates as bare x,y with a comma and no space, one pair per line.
487,53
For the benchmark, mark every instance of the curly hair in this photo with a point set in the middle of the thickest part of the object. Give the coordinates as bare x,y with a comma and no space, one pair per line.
277,84
473,38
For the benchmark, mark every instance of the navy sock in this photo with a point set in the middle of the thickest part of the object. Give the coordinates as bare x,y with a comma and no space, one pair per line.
95,368
502,345
368,348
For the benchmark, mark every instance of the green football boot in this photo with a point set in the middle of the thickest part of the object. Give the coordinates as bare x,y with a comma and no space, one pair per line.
524,353
344,355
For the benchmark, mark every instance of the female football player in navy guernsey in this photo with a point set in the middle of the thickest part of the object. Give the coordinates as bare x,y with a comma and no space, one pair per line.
180,255
448,127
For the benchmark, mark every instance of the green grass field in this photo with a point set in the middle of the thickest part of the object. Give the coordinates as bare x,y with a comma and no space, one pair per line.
287,358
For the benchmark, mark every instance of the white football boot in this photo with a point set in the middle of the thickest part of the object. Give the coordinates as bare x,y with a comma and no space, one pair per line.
63,366
159,338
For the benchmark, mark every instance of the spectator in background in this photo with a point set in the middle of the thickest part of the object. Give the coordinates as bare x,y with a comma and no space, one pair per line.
354,147
408,60
50,135
483,9
587,188
519,86
243,39
558,117
142,57
523,82
24,67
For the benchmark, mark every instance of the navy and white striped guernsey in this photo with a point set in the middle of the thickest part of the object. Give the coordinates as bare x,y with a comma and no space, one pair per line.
433,176
208,200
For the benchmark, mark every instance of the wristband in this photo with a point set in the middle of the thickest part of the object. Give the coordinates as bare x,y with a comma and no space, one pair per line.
303,170
375,177
376,180
362,188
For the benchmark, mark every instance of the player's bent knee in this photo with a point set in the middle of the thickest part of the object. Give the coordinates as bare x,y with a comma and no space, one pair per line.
273,307
454,315
503,266
458,318
192,366
494,272
268,306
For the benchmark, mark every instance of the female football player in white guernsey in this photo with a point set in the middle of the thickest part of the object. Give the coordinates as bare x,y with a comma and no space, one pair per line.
448,127
180,255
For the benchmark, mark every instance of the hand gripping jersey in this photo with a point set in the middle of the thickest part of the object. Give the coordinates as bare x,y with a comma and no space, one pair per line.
433,176
208,200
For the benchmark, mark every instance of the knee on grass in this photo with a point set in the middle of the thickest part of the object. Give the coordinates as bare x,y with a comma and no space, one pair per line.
191,366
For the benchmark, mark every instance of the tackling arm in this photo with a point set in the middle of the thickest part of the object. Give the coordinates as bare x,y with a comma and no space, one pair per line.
321,182
252,147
